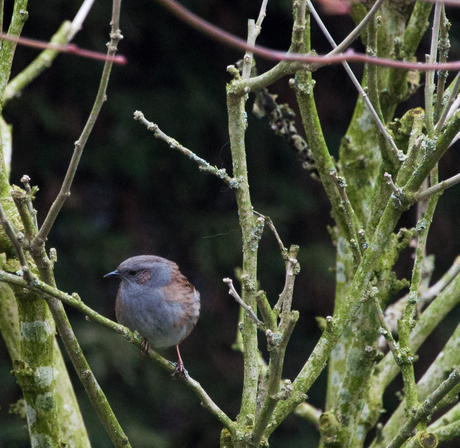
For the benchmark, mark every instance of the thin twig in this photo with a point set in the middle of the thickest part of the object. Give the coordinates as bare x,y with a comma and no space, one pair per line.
350,217
389,181
33,213
17,238
394,312
253,32
455,99
438,188
385,331
69,49
267,219
202,164
262,13
232,291
115,37
443,49
79,18
285,299
38,65
354,34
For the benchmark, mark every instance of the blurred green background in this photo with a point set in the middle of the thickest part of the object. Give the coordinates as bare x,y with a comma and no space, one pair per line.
134,195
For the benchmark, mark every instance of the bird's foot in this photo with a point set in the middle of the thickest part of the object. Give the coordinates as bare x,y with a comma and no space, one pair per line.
179,371
145,347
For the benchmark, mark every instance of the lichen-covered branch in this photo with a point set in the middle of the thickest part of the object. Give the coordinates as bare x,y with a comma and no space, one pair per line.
202,164
250,237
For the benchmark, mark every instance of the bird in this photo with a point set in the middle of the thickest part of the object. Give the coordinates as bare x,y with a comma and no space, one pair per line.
155,299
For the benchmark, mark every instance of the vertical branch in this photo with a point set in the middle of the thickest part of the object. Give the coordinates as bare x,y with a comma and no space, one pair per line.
250,240
406,324
373,83
303,85
277,343
253,31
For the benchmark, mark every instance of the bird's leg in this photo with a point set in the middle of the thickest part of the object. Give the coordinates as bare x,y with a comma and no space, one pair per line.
145,347
180,369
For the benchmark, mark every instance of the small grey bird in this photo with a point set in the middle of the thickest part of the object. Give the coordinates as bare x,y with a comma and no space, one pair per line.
155,299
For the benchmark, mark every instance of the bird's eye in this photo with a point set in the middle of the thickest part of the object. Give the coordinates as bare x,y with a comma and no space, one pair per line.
133,273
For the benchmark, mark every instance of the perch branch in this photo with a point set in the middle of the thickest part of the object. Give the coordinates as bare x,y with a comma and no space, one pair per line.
74,301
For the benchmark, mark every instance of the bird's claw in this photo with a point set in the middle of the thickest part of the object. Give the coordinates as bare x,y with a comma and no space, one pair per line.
179,371
145,347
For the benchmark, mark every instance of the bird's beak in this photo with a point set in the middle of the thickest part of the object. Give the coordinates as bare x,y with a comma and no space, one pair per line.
112,273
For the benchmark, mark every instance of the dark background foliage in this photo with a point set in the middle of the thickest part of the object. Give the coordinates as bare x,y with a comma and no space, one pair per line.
134,195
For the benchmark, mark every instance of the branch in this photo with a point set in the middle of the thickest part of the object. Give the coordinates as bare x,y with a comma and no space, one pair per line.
202,164
426,409
285,299
232,291
80,17
17,238
38,65
438,188
277,341
350,218
284,251
439,286
253,32
63,36
435,150
353,35
385,331
309,413
68,48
